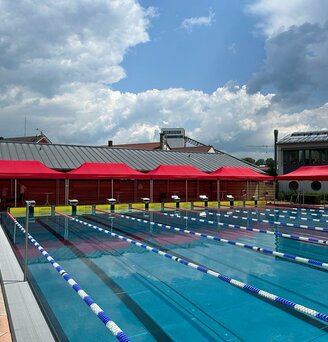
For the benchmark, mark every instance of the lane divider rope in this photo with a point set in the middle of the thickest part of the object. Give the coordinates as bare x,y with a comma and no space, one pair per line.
96,309
287,224
269,232
301,211
217,238
249,288
252,212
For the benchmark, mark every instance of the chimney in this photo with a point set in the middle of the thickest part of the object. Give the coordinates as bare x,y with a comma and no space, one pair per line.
110,143
161,141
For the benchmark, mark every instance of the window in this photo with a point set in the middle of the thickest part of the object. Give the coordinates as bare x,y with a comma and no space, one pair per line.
306,157
315,157
324,159
316,185
293,185
291,157
301,156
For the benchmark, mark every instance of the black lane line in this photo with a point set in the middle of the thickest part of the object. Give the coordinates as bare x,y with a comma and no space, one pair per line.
152,327
305,318
152,288
211,230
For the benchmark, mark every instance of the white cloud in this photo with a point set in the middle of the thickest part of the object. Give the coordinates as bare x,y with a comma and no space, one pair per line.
296,48
229,118
57,59
47,44
190,23
279,15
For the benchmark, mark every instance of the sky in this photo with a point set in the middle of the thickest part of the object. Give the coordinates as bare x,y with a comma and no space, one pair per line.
228,71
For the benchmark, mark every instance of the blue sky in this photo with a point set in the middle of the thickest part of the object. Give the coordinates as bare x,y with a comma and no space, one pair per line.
204,57
229,72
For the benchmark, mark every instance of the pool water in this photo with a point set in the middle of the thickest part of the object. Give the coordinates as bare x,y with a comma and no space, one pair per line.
153,298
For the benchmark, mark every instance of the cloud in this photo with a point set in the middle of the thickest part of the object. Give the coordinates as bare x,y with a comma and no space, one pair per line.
229,118
296,63
190,23
296,51
46,45
279,15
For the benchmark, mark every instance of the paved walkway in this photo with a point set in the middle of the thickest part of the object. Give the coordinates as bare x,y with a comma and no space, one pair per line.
29,325
5,335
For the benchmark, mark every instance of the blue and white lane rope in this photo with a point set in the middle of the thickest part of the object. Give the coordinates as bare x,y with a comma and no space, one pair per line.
231,242
316,210
252,212
300,211
280,223
282,216
96,309
228,225
249,288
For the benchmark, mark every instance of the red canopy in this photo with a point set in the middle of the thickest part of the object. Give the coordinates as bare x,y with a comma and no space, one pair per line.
239,173
307,173
105,171
182,172
23,169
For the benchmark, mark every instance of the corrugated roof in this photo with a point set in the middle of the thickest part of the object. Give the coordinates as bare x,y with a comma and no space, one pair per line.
28,139
68,157
143,146
304,137
203,149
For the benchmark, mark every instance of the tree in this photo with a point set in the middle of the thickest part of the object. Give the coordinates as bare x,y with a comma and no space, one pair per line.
249,160
270,163
260,162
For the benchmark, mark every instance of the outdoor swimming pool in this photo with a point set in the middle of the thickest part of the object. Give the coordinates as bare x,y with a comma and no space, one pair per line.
151,297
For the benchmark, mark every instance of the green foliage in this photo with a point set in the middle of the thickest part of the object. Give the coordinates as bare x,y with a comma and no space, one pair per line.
249,160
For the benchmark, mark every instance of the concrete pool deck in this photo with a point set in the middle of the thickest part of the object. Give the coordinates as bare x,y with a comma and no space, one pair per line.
5,335
27,321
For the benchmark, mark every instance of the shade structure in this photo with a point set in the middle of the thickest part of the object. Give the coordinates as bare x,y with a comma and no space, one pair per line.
177,172
239,173
307,173
105,171
27,169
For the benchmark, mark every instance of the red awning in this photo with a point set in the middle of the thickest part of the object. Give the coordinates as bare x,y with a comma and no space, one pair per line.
182,172
105,171
239,173
307,173
23,169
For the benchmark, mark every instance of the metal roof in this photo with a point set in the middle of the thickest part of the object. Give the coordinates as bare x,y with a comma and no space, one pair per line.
67,157
304,137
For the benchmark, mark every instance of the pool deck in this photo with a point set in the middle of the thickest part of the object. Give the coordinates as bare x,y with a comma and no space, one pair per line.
5,335
27,321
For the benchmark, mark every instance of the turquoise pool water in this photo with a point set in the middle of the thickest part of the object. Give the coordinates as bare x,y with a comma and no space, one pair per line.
153,298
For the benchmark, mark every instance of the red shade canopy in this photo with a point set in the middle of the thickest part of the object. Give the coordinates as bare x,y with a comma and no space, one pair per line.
307,173
239,173
23,169
105,171
177,172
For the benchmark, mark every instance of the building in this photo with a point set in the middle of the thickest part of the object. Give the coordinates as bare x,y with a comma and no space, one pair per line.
37,139
64,158
302,149
171,139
